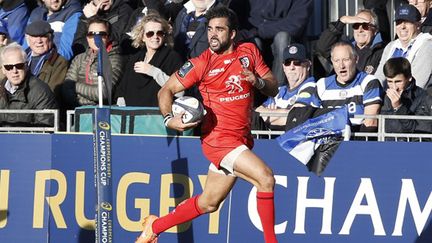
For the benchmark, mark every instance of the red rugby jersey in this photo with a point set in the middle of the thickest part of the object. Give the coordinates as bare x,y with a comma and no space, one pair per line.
227,97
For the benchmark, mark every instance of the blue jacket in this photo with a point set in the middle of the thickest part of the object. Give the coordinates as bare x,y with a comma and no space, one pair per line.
269,17
15,15
64,23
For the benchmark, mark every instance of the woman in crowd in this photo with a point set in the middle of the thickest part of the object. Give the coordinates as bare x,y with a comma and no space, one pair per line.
148,69
81,83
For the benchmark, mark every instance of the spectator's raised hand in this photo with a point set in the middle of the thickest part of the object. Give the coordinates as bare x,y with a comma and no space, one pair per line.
395,97
353,19
142,67
90,9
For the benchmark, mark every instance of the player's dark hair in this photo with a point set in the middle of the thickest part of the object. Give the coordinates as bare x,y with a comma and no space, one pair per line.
224,12
396,66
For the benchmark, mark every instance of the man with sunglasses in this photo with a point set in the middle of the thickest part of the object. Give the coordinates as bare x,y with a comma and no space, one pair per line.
367,41
21,90
299,91
411,44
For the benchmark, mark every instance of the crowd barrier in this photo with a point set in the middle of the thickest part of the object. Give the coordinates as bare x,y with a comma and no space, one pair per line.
148,121
53,128
370,192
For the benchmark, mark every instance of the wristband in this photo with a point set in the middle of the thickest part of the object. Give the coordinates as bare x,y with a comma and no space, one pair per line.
260,84
167,118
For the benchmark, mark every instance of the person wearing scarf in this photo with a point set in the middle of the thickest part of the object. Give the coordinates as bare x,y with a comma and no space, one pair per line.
81,83
42,57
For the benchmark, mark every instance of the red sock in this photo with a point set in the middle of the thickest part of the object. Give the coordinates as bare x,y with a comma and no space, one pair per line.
265,205
185,211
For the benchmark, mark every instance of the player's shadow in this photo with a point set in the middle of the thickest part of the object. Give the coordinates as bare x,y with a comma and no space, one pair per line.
426,234
181,166
86,236
3,215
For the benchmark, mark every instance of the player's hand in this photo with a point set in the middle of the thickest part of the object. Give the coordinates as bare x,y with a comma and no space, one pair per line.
176,123
395,97
249,76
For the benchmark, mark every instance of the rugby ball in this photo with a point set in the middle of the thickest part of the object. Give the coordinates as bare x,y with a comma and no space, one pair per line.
194,110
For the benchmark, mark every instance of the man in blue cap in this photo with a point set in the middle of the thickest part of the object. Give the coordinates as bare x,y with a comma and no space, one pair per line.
411,44
299,91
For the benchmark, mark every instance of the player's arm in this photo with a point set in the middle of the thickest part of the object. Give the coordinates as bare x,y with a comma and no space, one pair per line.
267,84
165,98
271,85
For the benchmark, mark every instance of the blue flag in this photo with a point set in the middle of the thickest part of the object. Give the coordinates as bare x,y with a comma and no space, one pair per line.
303,140
104,69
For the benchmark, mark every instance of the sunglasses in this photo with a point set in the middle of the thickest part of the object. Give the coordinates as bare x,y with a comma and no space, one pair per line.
365,26
19,66
159,33
91,34
296,63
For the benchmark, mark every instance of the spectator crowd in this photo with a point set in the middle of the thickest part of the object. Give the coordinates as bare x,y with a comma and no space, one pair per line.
49,56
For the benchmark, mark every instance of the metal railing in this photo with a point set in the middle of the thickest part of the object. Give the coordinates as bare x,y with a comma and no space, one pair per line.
380,135
70,114
36,129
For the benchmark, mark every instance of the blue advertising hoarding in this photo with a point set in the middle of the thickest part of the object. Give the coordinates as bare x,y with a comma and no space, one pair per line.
370,192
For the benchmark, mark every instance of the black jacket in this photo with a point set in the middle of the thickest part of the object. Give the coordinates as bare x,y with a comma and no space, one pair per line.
32,94
415,101
334,34
118,16
141,89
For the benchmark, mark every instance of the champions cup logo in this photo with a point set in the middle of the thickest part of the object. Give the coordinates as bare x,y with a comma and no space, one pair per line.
104,125
106,205
234,84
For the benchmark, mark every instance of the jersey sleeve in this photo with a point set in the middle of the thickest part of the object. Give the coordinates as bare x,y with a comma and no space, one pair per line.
307,94
372,91
191,72
260,67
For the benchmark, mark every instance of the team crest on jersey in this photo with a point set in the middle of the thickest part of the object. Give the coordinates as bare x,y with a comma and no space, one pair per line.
343,94
185,69
369,69
244,62
234,84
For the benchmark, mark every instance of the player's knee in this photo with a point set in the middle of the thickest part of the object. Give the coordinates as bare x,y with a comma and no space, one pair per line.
267,181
